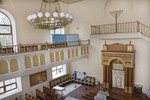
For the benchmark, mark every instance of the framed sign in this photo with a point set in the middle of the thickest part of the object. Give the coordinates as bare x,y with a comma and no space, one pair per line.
38,78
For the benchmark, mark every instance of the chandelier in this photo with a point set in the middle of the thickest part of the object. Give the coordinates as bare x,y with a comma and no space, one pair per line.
50,16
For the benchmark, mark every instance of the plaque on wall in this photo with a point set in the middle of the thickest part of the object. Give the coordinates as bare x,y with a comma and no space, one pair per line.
38,78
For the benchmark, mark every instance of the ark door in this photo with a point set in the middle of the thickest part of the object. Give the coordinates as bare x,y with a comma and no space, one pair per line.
118,76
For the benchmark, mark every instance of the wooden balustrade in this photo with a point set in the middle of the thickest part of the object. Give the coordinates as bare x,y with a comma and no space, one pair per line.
22,48
126,27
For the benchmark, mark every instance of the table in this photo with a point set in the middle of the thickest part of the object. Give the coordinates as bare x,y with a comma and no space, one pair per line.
70,98
59,88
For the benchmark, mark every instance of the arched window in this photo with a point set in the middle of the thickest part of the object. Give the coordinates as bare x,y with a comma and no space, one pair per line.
6,35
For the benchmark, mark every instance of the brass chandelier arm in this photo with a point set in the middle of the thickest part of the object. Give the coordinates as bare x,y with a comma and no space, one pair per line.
50,16
50,1
41,6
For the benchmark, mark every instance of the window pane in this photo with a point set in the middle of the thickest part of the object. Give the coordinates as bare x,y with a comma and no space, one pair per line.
58,67
7,82
1,84
1,90
59,71
54,68
10,87
57,31
13,80
5,29
4,19
54,72
5,40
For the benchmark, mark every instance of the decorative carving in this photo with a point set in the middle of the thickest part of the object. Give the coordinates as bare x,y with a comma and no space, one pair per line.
126,58
120,54
117,47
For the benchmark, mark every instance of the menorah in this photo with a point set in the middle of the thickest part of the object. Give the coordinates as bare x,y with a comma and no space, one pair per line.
116,14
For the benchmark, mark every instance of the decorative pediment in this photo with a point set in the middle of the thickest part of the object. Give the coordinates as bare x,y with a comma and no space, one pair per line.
117,47
117,51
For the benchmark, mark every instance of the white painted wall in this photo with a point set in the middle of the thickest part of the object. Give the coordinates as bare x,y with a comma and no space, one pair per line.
86,13
26,33
93,65
95,12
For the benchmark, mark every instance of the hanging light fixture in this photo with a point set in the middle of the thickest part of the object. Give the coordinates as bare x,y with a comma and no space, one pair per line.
50,16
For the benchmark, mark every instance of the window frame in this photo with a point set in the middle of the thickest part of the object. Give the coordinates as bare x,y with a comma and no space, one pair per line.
57,69
11,32
63,68
4,86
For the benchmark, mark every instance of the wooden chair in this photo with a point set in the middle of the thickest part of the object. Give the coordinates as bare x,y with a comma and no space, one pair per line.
50,93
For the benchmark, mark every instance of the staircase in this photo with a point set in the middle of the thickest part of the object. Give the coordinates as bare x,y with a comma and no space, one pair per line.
90,94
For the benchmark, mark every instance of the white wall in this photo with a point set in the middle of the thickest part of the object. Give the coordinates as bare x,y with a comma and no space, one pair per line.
93,65
20,9
95,12
30,90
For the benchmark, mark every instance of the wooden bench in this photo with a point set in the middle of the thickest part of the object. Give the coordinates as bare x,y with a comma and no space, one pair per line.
17,99
50,92
41,95
90,81
28,48
29,97
61,81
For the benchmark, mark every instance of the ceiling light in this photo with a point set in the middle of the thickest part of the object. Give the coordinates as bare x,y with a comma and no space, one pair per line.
50,16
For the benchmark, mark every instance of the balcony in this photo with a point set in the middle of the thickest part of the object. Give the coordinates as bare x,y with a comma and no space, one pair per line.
123,30
24,59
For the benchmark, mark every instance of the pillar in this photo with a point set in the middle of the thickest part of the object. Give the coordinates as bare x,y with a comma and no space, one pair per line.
104,76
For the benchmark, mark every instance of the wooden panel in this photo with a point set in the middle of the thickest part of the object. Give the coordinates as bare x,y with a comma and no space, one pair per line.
76,51
62,55
57,56
117,47
27,62
51,57
42,59
14,65
35,60
85,50
69,54
81,51
72,52
3,67
126,58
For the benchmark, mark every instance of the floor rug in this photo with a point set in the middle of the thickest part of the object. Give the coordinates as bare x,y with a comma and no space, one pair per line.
77,93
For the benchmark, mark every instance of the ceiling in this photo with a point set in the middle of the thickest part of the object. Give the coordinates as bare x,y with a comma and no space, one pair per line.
70,1
64,1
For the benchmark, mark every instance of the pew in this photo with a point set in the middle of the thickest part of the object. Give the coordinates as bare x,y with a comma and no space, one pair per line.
41,95
29,97
17,99
50,92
